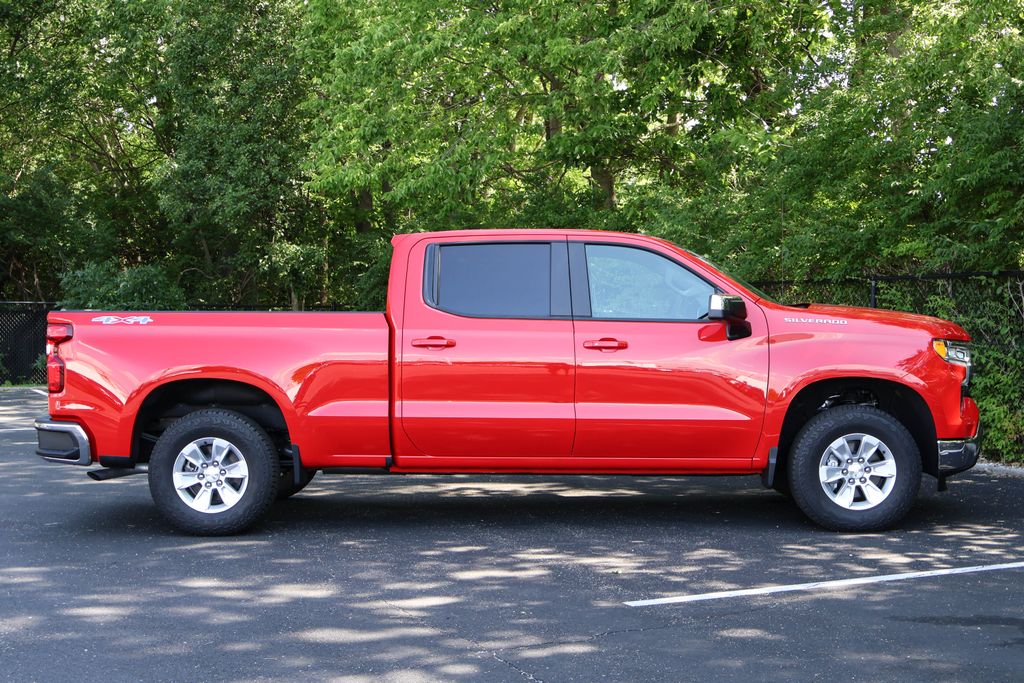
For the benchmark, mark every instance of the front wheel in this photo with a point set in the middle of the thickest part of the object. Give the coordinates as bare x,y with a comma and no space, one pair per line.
213,472
854,468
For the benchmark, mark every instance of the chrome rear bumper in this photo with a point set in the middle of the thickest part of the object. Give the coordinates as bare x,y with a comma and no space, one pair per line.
64,442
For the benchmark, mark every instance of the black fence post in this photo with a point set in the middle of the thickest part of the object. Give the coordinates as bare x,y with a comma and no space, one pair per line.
873,297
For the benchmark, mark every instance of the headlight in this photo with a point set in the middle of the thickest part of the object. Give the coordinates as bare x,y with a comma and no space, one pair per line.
953,352
957,353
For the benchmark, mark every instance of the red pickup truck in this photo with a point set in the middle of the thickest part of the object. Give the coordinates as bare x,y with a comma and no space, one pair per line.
518,351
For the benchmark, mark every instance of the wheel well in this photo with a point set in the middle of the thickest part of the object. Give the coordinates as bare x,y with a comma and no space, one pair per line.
174,400
899,400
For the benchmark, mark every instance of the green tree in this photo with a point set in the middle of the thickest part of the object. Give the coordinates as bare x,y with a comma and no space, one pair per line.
230,184
174,152
536,113
158,132
901,157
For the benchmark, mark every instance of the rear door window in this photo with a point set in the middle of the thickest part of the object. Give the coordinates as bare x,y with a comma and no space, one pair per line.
511,280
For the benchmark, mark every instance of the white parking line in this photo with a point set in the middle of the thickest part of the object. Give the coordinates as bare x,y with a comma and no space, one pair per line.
824,585
41,393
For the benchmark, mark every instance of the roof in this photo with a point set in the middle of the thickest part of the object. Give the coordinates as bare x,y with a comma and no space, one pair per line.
497,232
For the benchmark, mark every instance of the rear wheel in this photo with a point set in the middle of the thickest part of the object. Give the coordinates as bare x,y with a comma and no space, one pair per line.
854,468
213,472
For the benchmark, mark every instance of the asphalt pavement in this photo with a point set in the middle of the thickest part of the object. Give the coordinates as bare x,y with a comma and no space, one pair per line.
497,578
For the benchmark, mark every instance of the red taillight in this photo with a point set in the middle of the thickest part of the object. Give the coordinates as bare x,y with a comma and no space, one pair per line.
59,332
56,333
54,373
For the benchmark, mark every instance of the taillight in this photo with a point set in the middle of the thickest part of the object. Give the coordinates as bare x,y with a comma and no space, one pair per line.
54,373
56,333
59,332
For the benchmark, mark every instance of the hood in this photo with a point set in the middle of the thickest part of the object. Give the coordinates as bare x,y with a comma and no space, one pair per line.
820,315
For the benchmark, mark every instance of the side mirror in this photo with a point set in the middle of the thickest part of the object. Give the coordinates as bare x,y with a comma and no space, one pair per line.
726,307
732,310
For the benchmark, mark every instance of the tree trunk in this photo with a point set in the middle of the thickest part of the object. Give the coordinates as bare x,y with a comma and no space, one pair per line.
892,47
388,208
552,124
325,283
672,123
207,256
363,200
604,179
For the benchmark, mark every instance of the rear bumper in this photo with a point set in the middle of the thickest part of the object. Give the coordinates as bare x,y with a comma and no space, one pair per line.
957,455
64,442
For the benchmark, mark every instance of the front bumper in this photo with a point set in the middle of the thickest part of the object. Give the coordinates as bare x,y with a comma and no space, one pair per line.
957,455
64,442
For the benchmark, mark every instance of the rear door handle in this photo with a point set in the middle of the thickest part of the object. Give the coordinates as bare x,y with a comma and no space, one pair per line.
605,344
434,343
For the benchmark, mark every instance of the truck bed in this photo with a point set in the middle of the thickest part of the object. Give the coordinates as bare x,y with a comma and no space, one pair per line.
327,371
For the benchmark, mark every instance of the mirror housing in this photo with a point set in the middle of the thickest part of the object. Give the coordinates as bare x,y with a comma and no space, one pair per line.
731,310
726,307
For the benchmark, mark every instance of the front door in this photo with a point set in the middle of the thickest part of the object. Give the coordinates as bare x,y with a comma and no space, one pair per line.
487,364
654,377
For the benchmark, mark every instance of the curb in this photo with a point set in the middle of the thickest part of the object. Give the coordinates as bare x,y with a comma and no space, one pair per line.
999,470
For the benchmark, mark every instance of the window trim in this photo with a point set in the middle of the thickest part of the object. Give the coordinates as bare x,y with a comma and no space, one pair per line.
559,278
579,277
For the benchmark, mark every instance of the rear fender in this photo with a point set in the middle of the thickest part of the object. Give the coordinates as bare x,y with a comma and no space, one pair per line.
136,400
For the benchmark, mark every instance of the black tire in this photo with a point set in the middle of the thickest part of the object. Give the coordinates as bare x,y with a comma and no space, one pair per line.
806,457
261,460
286,487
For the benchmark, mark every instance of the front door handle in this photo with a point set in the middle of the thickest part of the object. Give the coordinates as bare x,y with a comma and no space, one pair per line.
605,344
434,343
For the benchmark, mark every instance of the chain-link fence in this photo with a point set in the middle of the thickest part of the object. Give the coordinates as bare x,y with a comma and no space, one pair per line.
23,342
989,306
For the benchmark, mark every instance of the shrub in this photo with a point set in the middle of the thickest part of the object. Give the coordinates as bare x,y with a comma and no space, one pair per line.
991,309
105,286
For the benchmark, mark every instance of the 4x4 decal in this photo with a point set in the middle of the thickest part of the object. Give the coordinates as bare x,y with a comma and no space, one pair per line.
127,320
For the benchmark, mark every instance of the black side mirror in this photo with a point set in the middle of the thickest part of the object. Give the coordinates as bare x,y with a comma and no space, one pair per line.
733,311
726,307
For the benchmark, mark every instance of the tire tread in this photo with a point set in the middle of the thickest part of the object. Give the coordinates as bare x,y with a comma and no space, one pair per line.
244,514
806,490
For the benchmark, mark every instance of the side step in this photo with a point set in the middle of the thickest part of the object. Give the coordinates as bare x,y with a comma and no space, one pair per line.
108,473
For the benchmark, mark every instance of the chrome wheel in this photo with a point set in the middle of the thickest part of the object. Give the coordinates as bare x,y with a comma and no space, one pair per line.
857,471
210,475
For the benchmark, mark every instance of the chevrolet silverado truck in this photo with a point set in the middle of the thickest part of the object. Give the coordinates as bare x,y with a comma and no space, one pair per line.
518,351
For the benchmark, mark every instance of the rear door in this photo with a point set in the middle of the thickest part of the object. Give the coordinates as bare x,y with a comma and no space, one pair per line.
487,363
654,377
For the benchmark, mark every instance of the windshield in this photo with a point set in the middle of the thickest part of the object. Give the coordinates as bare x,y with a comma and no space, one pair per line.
741,281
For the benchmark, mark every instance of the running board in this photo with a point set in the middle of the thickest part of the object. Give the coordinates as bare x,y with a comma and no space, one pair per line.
355,470
108,473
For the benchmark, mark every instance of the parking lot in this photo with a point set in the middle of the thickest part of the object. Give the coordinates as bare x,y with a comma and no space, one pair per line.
498,579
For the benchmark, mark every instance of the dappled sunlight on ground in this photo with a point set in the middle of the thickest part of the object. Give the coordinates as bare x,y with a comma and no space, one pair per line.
489,578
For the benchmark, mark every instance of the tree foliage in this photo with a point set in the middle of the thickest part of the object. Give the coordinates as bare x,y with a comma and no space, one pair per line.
257,153
262,153
538,113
